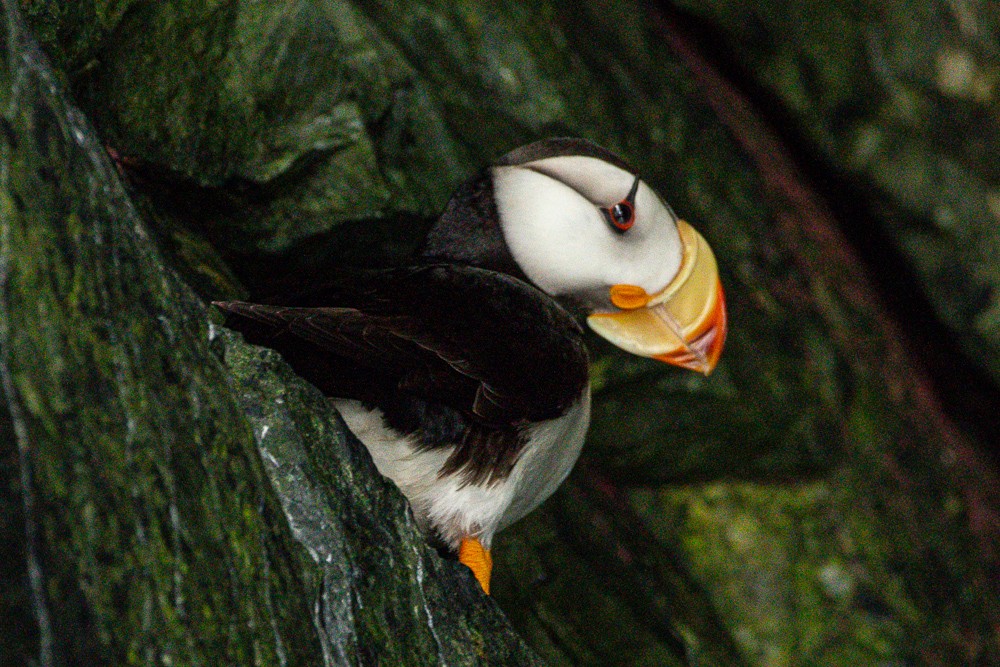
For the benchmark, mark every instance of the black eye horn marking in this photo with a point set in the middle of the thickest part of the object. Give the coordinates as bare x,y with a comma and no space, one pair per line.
621,216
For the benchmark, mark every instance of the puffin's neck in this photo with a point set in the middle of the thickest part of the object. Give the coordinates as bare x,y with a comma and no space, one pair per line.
469,231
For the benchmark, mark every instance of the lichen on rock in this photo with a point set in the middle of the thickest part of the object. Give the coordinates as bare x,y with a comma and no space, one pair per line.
149,526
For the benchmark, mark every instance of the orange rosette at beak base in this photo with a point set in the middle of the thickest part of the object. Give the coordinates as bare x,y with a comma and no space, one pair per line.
683,324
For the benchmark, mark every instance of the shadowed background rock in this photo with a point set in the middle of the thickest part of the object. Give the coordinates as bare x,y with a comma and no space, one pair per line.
811,502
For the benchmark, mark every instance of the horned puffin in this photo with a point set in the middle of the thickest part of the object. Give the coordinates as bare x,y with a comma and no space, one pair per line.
466,374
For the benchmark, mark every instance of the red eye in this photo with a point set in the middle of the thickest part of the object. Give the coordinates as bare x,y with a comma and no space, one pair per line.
621,215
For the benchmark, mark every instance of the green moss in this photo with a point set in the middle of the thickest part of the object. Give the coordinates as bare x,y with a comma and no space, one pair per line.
790,590
157,532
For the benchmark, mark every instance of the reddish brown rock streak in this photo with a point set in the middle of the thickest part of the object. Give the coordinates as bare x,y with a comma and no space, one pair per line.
812,235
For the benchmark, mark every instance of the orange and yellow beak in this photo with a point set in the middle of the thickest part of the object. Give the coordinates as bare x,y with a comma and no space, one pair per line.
683,324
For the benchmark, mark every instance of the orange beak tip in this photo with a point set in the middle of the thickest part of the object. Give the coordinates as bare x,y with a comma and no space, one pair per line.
701,352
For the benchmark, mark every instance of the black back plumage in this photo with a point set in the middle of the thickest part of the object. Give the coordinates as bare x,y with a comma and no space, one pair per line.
455,355
457,350
469,232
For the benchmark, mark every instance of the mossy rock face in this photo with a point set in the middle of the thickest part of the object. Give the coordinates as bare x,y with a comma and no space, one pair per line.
177,496
803,504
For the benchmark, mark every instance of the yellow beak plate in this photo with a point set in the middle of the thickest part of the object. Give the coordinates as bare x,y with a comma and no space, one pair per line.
683,324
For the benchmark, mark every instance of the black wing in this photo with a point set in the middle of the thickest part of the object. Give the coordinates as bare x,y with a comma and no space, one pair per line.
490,346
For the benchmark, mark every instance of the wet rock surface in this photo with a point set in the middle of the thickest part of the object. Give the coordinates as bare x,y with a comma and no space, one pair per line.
171,494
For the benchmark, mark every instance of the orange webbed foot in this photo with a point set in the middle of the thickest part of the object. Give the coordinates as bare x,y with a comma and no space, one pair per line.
472,554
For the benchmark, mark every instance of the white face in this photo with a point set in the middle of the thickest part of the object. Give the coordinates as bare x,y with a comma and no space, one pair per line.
550,211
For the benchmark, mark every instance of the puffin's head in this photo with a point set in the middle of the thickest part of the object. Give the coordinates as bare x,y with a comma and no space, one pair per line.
581,225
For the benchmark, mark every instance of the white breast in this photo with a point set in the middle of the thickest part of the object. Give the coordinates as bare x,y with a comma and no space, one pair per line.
454,509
